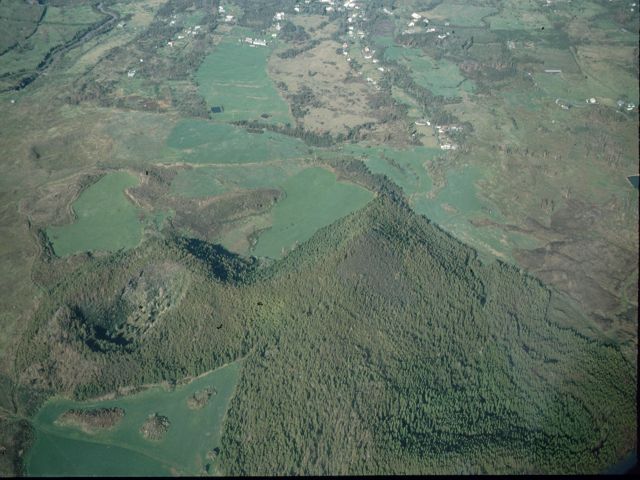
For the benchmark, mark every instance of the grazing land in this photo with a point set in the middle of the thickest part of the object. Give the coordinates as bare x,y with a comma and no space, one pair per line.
313,199
105,219
234,77
175,440
200,141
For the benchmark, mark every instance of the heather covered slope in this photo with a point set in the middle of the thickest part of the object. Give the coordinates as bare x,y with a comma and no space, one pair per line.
381,345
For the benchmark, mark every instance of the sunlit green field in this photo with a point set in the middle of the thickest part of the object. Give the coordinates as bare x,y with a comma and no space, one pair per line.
17,21
405,167
442,77
216,180
234,76
460,14
518,15
457,203
313,200
106,219
201,141
58,26
65,450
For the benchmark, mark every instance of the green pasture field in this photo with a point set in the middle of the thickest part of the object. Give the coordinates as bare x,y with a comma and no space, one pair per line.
560,58
314,199
202,141
234,76
106,220
383,41
613,33
404,167
216,180
17,21
402,97
442,77
459,14
72,15
451,207
519,15
576,89
66,450
58,26
458,202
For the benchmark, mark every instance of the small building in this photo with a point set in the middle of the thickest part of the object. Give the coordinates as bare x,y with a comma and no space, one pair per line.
416,16
131,73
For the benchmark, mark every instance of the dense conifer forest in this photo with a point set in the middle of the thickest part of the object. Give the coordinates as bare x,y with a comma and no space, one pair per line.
382,345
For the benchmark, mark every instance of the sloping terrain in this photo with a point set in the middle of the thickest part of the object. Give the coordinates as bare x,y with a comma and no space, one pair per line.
381,345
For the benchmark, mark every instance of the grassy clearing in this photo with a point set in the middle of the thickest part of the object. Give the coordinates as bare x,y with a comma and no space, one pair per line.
58,26
463,15
457,203
106,220
235,77
201,141
404,167
442,77
66,450
519,15
313,200
211,181
608,70
17,21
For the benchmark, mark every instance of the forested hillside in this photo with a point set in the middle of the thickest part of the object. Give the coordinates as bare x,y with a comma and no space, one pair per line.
381,345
